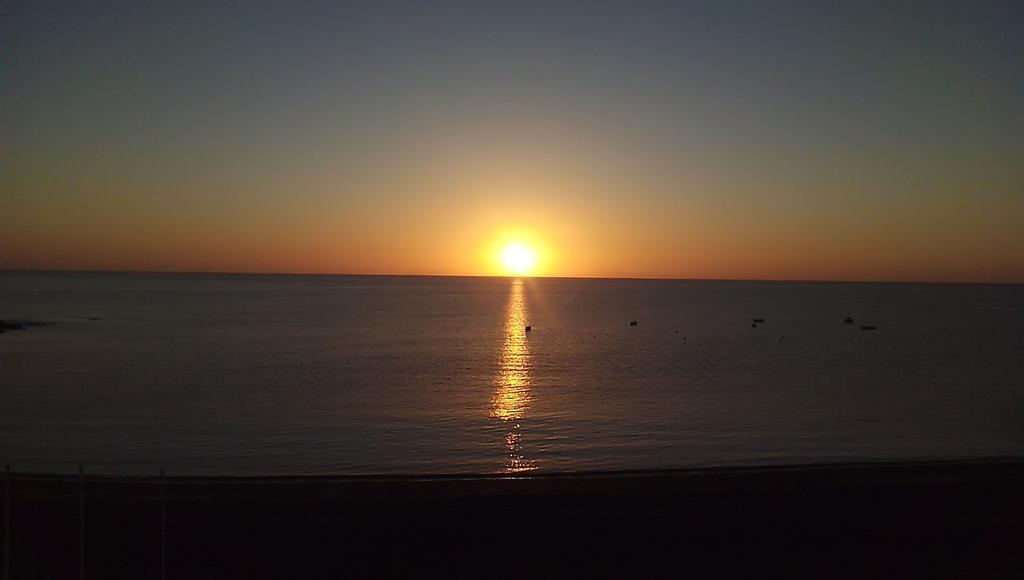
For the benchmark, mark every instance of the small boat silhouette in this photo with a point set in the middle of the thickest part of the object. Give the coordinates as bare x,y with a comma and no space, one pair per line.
632,323
848,320
867,327
756,320
529,327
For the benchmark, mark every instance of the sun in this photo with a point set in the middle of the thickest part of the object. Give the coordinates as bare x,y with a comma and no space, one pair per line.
518,258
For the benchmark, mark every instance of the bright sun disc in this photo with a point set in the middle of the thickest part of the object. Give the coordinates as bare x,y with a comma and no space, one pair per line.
518,259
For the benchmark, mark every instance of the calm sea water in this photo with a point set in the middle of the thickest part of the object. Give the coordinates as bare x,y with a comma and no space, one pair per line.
243,375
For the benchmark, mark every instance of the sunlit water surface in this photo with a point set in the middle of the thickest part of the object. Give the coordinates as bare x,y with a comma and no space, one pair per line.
241,375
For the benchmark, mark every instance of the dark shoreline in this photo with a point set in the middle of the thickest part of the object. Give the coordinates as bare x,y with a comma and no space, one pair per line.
884,472
902,519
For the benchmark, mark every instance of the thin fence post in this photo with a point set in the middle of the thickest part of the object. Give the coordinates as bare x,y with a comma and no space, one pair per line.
7,521
81,522
163,525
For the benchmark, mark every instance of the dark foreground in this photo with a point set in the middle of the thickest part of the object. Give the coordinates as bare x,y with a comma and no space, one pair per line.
924,520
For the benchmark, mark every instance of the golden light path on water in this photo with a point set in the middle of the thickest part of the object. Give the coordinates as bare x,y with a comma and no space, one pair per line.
511,402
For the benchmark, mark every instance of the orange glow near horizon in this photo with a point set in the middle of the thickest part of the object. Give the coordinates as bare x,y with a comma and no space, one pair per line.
587,245
560,230
568,219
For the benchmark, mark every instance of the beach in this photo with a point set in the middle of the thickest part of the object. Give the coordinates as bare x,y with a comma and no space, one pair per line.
883,520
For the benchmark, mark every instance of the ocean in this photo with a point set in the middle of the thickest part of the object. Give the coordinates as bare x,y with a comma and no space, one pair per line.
205,374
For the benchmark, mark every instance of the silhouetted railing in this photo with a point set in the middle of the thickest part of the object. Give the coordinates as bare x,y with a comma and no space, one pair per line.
8,555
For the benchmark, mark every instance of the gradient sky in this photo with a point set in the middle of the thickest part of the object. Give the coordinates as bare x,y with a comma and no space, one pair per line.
776,140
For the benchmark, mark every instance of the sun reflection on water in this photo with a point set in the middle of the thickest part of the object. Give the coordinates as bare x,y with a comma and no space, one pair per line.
512,398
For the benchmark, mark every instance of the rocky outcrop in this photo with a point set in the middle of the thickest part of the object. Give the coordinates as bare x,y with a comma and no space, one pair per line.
6,325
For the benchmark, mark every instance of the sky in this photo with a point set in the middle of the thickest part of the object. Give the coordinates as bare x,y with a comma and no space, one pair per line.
748,140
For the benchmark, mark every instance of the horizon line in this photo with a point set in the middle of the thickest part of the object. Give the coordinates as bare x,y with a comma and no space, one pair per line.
555,277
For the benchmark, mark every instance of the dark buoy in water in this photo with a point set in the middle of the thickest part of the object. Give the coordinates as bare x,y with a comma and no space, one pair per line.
632,323
782,338
753,325
848,320
529,327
